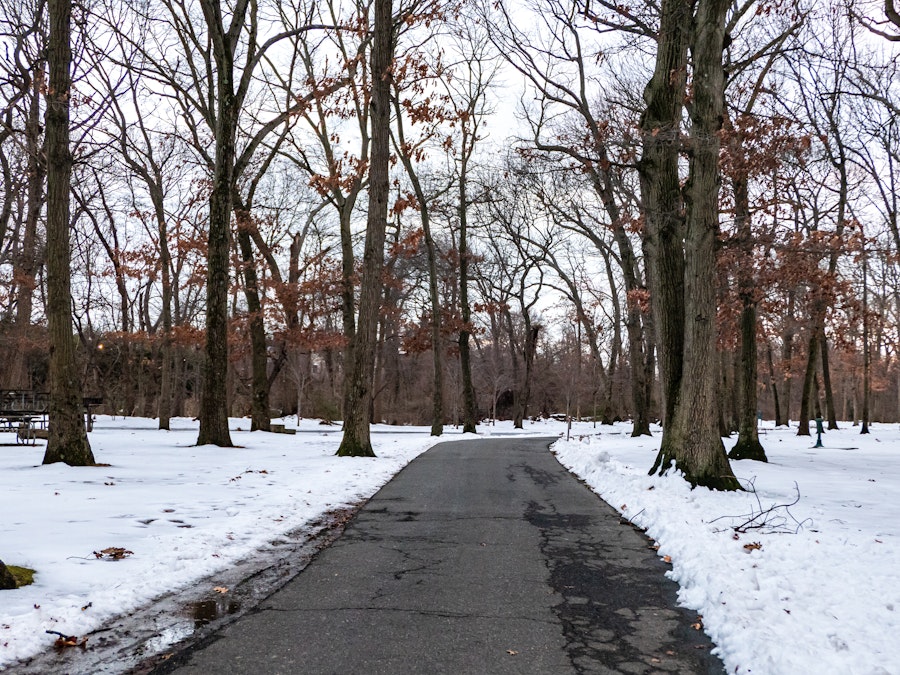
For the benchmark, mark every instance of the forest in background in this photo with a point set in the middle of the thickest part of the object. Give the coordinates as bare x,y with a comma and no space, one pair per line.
518,244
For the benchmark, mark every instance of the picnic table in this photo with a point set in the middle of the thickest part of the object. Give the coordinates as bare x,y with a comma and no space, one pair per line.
25,411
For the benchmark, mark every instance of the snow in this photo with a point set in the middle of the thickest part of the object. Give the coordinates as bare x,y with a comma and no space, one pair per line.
820,595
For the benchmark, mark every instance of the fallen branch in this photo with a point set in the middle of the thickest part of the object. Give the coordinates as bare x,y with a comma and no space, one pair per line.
776,519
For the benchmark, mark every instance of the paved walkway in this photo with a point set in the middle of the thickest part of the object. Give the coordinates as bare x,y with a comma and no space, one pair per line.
482,557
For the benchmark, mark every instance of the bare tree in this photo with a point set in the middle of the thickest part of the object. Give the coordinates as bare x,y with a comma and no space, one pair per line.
67,440
356,441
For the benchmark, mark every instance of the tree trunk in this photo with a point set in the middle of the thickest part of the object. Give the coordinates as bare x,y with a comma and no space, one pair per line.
524,389
779,418
437,352
67,440
26,261
356,441
748,445
348,305
470,405
808,383
691,437
826,382
806,399
787,357
867,358
259,397
661,194
164,407
214,399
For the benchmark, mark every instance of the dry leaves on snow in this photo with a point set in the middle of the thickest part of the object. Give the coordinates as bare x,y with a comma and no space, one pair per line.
64,641
113,553
754,546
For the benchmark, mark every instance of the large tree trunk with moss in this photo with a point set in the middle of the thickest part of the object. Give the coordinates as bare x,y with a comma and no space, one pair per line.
67,440
691,435
356,441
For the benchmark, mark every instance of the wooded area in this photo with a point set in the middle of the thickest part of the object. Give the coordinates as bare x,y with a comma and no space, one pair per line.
437,212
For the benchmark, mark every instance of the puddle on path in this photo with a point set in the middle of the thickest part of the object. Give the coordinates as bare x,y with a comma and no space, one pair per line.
206,611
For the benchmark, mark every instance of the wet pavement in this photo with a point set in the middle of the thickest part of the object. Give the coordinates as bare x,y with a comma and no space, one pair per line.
137,641
479,557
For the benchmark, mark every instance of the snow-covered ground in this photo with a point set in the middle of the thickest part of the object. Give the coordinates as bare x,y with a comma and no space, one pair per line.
820,594
815,588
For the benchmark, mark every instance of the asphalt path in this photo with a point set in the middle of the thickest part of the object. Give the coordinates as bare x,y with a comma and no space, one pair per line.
479,557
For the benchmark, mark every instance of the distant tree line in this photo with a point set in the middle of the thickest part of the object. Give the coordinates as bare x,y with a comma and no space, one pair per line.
317,208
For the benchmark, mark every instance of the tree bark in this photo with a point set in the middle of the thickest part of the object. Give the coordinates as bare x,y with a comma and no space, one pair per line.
691,435
808,384
437,352
661,195
826,382
779,417
787,357
214,399
27,261
748,445
356,441
67,440
524,388
470,405
165,403
259,395
867,354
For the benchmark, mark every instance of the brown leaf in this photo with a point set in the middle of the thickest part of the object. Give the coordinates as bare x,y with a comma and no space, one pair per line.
511,652
753,546
667,558
113,553
220,589
64,641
